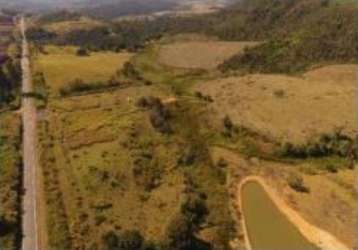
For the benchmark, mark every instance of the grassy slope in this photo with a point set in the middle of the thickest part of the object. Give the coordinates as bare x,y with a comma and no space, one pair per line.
10,176
89,144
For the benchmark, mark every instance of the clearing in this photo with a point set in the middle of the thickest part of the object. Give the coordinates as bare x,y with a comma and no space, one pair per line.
200,54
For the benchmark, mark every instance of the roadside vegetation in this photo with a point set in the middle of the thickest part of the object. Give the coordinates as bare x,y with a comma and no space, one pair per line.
10,137
10,178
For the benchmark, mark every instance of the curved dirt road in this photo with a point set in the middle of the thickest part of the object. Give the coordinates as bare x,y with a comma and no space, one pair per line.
29,220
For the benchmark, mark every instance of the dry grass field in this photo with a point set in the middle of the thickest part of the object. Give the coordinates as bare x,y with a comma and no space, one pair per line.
200,54
287,108
61,65
68,26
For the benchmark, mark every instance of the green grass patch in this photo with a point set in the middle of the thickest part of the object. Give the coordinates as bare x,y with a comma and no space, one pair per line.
61,65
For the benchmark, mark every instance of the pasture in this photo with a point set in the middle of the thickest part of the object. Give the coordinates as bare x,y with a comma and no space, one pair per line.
61,65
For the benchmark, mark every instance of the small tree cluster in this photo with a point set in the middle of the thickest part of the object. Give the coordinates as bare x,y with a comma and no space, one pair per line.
159,114
327,145
127,240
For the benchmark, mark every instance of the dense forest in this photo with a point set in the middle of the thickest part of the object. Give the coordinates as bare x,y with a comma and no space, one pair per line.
306,33
295,33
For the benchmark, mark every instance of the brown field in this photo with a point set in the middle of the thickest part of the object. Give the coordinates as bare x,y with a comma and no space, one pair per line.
200,54
289,108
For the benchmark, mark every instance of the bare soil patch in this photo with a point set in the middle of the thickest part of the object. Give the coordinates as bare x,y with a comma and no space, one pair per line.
289,108
200,54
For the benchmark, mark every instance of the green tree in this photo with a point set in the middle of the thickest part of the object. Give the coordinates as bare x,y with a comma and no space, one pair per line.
179,234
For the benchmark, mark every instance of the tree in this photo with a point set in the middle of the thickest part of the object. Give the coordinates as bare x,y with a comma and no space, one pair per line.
130,240
179,234
110,241
4,226
194,209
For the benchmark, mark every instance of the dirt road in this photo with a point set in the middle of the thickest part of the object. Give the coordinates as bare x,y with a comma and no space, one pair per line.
29,226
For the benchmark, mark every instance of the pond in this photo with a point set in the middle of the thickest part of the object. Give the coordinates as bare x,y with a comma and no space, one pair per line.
267,227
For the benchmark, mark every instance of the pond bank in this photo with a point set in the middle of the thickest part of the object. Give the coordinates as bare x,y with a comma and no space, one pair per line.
313,234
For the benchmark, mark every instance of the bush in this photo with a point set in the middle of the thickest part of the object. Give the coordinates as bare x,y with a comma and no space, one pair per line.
188,156
279,93
128,240
194,209
335,144
179,234
332,168
5,227
131,72
222,163
296,183
82,52
147,173
148,102
78,86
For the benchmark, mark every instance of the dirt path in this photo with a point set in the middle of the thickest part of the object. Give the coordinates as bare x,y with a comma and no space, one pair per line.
315,235
29,221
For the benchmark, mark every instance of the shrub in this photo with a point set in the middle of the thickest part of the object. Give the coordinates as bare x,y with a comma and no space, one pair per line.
194,209
222,163
82,52
179,234
188,156
147,173
203,97
279,93
130,240
335,144
159,114
5,227
332,168
148,102
79,86
296,183
228,124
131,72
